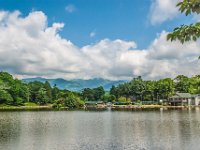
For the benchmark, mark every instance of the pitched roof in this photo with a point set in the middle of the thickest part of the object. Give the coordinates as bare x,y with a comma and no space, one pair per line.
185,95
196,95
182,95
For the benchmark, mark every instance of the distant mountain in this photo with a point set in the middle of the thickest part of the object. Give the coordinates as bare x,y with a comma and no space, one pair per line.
77,84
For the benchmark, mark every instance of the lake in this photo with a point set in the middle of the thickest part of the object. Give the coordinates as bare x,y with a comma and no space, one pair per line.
90,130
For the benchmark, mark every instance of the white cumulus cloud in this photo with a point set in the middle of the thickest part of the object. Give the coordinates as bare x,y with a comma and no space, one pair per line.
163,10
29,47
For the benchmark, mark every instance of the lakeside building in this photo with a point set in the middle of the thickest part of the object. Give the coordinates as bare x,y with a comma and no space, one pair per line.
181,99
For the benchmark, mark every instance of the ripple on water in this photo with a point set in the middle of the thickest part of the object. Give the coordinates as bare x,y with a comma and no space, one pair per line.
72,130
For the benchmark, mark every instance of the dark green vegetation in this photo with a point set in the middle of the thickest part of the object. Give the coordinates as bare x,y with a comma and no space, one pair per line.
14,92
190,32
151,92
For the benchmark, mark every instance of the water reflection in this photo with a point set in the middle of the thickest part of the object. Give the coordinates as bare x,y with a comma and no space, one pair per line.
9,129
174,129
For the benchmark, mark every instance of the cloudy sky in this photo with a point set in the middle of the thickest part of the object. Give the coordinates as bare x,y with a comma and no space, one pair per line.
112,39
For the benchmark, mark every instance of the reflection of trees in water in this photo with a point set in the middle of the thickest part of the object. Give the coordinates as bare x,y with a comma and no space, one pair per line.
184,124
9,129
189,128
100,130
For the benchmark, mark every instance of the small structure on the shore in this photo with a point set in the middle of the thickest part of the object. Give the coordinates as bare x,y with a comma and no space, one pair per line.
182,99
93,103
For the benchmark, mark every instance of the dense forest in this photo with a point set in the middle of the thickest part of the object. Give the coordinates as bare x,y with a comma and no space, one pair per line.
16,92
155,90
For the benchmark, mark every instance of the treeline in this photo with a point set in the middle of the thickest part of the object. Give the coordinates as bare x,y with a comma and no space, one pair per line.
16,92
148,90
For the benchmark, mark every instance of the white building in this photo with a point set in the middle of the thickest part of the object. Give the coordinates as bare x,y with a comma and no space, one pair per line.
195,100
180,99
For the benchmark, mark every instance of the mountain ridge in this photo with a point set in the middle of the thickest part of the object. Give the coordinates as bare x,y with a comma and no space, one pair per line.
77,84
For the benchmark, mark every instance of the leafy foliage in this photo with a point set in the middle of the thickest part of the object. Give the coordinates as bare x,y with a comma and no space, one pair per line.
5,97
15,92
190,32
141,90
189,6
93,94
185,33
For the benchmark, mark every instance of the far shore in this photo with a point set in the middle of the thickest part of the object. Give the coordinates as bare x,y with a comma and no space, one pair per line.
98,108
147,107
13,108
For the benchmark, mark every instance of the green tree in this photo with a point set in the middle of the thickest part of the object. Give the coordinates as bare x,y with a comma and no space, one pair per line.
5,97
137,88
115,92
165,88
124,90
148,93
187,32
194,85
122,99
107,97
73,101
6,78
34,88
98,93
88,94
47,86
182,84
41,96
19,92
55,93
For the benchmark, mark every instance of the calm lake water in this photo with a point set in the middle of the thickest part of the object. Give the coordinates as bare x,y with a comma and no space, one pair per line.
74,130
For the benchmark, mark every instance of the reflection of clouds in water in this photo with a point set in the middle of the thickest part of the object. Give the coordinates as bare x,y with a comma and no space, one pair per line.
100,130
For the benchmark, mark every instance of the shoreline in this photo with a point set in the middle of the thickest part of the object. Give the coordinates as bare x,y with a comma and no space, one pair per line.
102,108
151,107
25,108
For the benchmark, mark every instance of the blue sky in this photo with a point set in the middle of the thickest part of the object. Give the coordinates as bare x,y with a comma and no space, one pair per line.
83,39
113,19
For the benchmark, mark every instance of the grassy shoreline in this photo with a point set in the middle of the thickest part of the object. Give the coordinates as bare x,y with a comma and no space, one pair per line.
16,108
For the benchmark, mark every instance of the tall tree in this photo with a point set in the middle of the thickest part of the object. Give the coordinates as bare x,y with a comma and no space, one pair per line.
34,89
47,86
88,94
165,88
5,97
98,93
149,90
194,85
137,87
41,96
114,91
55,92
182,84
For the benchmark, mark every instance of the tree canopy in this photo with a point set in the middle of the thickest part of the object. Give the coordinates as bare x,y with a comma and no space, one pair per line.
16,92
190,32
